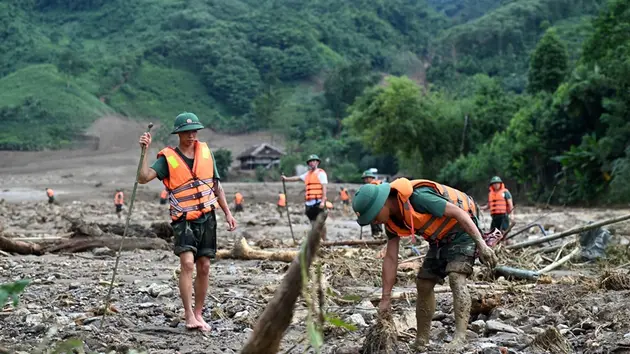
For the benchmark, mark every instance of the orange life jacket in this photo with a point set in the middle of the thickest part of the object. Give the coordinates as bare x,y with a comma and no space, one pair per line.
238,198
118,198
314,188
163,194
49,192
191,191
497,202
282,200
344,194
431,227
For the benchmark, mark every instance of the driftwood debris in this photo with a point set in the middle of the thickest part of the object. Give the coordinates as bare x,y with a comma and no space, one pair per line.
80,228
560,262
19,247
243,251
81,244
277,316
569,232
354,243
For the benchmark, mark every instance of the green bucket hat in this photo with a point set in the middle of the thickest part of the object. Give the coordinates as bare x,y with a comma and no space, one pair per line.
313,157
186,122
495,179
368,173
368,202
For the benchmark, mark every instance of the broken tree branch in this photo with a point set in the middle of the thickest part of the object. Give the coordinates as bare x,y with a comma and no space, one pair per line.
560,262
354,243
243,251
572,231
20,247
277,316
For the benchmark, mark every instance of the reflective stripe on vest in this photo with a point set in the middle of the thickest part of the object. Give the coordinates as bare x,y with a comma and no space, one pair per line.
191,192
497,202
431,227
314,188
282,200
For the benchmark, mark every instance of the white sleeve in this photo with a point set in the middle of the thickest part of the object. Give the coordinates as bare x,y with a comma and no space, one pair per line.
323,178
303,176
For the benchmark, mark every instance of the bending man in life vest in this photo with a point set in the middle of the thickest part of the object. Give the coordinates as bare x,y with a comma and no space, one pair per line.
500,204
189,173
163,196
282,202
370,178
238,202
445,217
315,180
51,195
119,200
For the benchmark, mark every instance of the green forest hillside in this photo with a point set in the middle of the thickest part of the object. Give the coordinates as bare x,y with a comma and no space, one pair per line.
458,90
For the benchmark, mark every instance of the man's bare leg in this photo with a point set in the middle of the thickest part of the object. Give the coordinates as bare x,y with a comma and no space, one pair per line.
201,289
461,309
187,265
425,308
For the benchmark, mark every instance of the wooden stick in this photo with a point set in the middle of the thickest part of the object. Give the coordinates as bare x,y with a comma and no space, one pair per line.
566,233
354,243
20,247
277,316
563,260
553,248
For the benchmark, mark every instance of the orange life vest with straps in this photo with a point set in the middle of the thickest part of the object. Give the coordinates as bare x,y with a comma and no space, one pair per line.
344,194
49,193
314,188
119,198
431,227
282,200
191,191
497,202
163,194
238,198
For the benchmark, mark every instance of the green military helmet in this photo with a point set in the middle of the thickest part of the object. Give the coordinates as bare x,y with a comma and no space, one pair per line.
368,174
313,157
495,179
368,202
185,122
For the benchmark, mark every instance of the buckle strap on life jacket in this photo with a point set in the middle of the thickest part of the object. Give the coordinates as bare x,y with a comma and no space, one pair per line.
194,196
209,203
190,185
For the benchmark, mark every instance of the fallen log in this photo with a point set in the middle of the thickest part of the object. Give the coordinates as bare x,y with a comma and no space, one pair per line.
569,232
243,251
277,316
19,247
354,243
112,242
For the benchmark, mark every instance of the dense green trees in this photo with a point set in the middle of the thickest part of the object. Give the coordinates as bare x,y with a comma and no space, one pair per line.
549,64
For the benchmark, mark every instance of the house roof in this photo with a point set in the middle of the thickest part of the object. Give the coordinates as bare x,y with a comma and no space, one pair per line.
255,150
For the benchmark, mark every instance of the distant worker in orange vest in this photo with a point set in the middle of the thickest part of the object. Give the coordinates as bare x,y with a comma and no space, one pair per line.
370,178
500,204
51,195
119,198
315,180
282,202
163,196
345,199
238,202
190,175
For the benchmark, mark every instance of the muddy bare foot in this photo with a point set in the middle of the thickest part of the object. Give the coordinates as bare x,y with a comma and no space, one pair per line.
193,323
456,345
420,345
204,326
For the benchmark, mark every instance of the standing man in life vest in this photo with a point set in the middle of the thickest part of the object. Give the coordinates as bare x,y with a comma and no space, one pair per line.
163,196
345,199
282,202
500,204
238,202
190,175
51,195
119,199
370,178
446,218
315,180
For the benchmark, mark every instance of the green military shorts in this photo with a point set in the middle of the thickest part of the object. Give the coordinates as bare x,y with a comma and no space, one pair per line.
454,253
200,238
500,221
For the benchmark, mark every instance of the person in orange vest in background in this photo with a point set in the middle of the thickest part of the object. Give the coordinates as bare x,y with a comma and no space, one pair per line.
282,202
345,199
119,199
238,202
190,175
500,204
370,178
315,180
163,196
51,195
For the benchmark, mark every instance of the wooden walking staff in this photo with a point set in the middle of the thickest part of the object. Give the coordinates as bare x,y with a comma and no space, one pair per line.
286,202
133,197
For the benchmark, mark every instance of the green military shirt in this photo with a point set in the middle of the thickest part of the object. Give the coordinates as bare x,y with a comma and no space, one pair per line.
161,169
